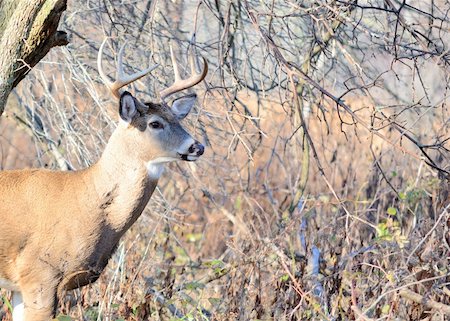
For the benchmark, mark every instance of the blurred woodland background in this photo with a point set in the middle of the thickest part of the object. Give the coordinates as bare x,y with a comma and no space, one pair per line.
323,193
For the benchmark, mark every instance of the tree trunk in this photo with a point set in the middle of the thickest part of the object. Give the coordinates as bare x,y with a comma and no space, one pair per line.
27,33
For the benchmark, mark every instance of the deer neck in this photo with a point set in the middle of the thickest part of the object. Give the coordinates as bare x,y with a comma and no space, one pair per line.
123,182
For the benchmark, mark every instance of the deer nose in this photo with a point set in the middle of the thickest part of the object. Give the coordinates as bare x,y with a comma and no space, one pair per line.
201,149
197,148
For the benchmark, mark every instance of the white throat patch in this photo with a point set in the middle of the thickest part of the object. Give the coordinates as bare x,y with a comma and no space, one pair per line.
156,167
154,170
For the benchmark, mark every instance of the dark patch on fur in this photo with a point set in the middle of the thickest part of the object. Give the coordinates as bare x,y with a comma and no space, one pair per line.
108,199
163,110
83,278
23,243
139,123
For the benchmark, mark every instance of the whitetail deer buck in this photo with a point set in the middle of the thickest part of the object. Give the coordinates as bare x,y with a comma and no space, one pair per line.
59,229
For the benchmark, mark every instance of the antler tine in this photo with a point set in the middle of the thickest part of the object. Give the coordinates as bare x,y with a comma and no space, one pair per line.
104,77
181,84
176,71
122,79
192,63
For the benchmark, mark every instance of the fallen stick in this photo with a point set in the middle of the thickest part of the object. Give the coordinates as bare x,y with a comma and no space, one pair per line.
413,296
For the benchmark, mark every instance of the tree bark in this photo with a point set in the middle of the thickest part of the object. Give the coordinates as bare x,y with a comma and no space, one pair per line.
28,30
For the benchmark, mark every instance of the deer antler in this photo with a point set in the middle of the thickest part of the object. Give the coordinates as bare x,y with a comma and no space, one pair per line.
121,79
181,84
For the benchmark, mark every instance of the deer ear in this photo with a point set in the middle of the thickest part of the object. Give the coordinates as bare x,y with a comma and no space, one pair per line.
127,108
183,105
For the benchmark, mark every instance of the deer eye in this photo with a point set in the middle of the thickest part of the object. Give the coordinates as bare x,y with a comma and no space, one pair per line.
156,125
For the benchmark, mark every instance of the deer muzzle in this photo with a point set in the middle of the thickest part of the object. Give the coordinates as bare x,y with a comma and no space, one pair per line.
194,152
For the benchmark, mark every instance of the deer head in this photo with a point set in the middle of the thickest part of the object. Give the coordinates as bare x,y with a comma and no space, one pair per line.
154,129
